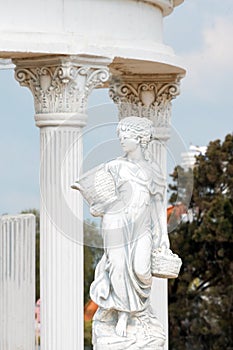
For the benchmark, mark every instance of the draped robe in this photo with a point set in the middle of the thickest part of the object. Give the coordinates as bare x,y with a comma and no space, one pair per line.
130,228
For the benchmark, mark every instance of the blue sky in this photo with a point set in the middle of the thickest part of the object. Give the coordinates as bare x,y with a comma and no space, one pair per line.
200,31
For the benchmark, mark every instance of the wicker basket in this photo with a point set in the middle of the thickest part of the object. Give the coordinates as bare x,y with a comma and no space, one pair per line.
165,264
97,186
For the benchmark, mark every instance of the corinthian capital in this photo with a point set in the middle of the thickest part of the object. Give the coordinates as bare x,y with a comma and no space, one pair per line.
60,86
146,96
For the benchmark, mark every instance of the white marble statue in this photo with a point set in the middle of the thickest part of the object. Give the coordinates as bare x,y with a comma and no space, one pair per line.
133,226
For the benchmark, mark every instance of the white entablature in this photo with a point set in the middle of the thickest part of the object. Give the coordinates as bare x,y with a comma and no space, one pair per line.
120,30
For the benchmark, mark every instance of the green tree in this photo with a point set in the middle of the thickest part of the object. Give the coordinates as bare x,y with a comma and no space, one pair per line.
201,299
92,254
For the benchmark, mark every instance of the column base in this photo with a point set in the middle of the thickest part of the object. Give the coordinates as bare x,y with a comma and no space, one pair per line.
144,331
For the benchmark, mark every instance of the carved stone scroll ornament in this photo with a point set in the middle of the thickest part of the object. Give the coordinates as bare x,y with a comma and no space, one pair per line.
147,99
61,88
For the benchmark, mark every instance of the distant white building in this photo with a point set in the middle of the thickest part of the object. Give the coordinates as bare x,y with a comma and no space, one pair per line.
189,158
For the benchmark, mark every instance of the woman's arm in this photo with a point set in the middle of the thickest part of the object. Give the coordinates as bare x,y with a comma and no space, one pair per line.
160,234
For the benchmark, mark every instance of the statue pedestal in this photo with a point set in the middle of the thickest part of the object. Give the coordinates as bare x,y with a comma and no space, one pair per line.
144,331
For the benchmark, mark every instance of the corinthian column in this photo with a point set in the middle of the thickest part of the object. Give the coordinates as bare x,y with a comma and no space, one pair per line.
150,96
60,87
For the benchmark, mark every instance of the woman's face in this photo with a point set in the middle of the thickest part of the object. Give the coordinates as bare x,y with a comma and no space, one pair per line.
128,143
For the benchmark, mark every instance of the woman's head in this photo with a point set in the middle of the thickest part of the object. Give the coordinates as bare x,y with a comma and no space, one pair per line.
140,129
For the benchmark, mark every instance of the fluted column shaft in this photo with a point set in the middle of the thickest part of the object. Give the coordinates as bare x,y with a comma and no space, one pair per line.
150,96
17,282
61,240
60,86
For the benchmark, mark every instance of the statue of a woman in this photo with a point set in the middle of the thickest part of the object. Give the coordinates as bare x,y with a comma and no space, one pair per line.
132,226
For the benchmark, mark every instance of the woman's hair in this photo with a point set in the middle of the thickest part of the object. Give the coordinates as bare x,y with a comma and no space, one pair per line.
137,128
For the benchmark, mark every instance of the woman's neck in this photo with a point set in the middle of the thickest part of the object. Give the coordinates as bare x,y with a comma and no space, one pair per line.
136,155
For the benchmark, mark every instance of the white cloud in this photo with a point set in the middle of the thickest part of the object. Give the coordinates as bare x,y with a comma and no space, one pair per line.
212,66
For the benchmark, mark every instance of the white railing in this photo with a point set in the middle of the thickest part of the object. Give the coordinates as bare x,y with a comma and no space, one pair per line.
17,282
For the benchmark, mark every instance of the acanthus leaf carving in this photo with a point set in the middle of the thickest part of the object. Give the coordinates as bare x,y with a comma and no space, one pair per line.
61,88
145,99
94,78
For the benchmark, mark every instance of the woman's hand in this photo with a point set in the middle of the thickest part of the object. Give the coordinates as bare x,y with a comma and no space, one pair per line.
97,210
164,241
